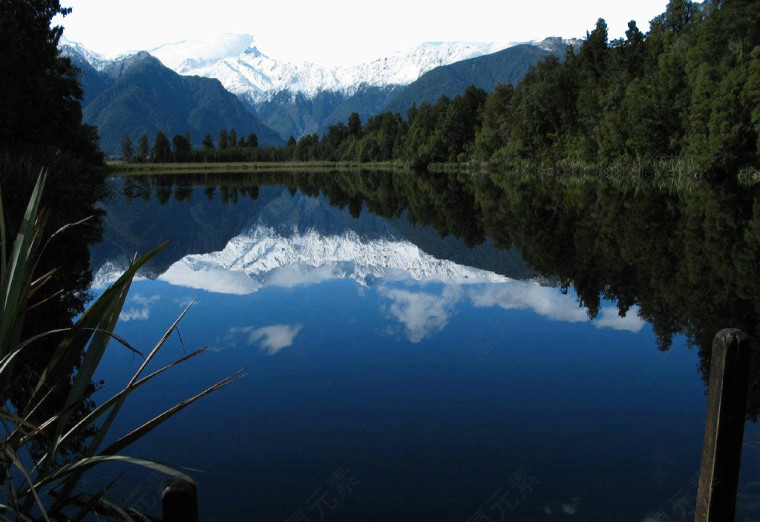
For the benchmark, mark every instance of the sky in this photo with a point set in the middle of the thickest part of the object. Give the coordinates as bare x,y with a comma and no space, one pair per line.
341,32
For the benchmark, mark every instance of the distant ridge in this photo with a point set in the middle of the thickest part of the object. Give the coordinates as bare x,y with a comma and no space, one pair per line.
506,66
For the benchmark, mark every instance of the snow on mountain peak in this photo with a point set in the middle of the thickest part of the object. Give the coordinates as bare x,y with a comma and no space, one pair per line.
188,55
237,62
69,48
255,76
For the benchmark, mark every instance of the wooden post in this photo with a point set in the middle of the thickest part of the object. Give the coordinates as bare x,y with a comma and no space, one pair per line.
724,429
180,502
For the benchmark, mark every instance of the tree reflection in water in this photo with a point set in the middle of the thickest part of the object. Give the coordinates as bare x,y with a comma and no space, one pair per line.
685,254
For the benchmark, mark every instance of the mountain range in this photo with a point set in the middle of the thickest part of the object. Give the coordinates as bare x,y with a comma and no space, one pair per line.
226,82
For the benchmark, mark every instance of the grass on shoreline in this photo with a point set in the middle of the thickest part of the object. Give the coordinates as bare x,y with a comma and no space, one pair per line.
242,167
663,170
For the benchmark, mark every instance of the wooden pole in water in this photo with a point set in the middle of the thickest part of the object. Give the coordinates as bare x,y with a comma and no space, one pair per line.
180,502
724,429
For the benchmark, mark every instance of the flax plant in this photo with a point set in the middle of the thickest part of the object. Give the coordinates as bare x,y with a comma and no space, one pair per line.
46,488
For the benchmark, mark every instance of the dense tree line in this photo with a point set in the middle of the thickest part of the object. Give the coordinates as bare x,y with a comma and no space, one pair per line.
229,147
688,89
380,139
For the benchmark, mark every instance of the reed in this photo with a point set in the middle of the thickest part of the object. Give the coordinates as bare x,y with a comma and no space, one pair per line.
45,488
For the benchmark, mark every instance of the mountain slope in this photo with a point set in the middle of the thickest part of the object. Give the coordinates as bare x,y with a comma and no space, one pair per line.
507,66
141,96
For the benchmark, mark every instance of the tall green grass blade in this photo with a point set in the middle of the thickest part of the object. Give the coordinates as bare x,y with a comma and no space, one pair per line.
17,462
5,362
101,410
160,343
95,503
19,269
78,355
19,422
146,428
64,228
87,463
3,248
104,311
101,316
104,308
100,435
118,510
97,439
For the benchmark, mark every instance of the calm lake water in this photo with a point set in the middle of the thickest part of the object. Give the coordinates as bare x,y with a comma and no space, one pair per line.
507,371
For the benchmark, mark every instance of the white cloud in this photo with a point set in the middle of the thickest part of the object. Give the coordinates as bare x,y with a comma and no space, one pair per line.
290,276
147,301
134,314
274,338
211,279
271,339
546,301
609,318
422,314
296,30
550,303
184,302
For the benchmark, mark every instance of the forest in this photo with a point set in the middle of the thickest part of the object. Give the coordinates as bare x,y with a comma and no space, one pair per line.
688,90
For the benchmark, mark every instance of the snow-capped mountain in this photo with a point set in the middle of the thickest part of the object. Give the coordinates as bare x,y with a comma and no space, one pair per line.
295,99
243,69
74,49
185,57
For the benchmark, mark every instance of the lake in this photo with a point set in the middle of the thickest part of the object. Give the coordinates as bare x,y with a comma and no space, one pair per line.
431,347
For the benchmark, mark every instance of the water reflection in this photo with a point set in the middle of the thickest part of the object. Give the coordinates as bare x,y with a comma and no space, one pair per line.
366,251
686,254
263,257
424,312
434,369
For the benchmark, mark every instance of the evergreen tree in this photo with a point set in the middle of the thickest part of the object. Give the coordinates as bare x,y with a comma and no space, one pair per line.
182,146
40,96
354,124
494,132
127,150
222,143
161,148
143,148
208,142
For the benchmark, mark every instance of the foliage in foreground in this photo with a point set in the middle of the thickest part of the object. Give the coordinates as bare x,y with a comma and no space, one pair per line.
34,487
